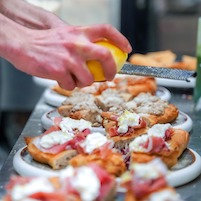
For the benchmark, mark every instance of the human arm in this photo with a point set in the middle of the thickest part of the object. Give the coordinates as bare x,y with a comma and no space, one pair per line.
29,15
59,53
51,48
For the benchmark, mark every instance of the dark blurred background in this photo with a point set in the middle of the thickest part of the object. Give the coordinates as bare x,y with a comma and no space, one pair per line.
150,25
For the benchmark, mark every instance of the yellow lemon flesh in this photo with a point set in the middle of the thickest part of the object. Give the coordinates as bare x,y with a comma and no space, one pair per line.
119,57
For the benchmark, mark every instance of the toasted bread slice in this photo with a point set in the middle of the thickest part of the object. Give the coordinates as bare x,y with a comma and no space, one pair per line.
56,161
121,140
113,162
177,144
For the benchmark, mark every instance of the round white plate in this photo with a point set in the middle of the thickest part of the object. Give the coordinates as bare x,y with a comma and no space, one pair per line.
183,121
44,82
48,118
55,99
163,93
175,83
187,168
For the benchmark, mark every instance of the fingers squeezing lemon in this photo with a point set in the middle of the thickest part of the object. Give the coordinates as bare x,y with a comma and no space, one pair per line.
119,57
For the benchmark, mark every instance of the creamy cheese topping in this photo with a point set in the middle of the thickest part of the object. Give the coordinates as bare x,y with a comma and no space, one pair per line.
75,98
164,195
156,108
110,97
68,124
145,97
93,141
127,119
110,84
66,173
92,89
87,184
131,105
151,170
137,144
147,103
159,130
55,138
20,192
83,180
146,172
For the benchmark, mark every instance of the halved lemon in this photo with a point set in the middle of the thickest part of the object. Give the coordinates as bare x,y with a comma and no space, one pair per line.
119,56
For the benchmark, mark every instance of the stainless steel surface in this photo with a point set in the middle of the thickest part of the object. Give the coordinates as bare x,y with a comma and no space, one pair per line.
169,73
182,98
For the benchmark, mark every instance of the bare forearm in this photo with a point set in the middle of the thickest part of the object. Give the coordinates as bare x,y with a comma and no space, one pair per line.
29,15
11,35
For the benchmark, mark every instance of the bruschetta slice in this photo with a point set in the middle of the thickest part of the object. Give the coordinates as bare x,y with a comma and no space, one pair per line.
161,140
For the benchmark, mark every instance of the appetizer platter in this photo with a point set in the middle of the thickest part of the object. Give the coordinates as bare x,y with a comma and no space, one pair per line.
119,128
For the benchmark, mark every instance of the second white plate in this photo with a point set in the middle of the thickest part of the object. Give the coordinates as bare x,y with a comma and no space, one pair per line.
176,83
55,99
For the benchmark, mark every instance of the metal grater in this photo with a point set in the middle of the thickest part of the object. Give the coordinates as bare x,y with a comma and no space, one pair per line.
169,73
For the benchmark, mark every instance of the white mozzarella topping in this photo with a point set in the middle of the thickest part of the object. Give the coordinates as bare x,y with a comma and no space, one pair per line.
87,184
83,180
68,125
164,196
159,130
137,144
131,105
21,191
127,119
55,138
93,141
145,97
66,173
92,88
151,170
145,171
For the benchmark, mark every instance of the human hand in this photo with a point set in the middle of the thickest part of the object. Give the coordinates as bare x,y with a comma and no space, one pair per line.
61,53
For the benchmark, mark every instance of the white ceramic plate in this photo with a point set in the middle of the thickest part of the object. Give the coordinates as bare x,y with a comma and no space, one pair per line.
187,168
44,82
183,121
55,99
160,81
176,83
